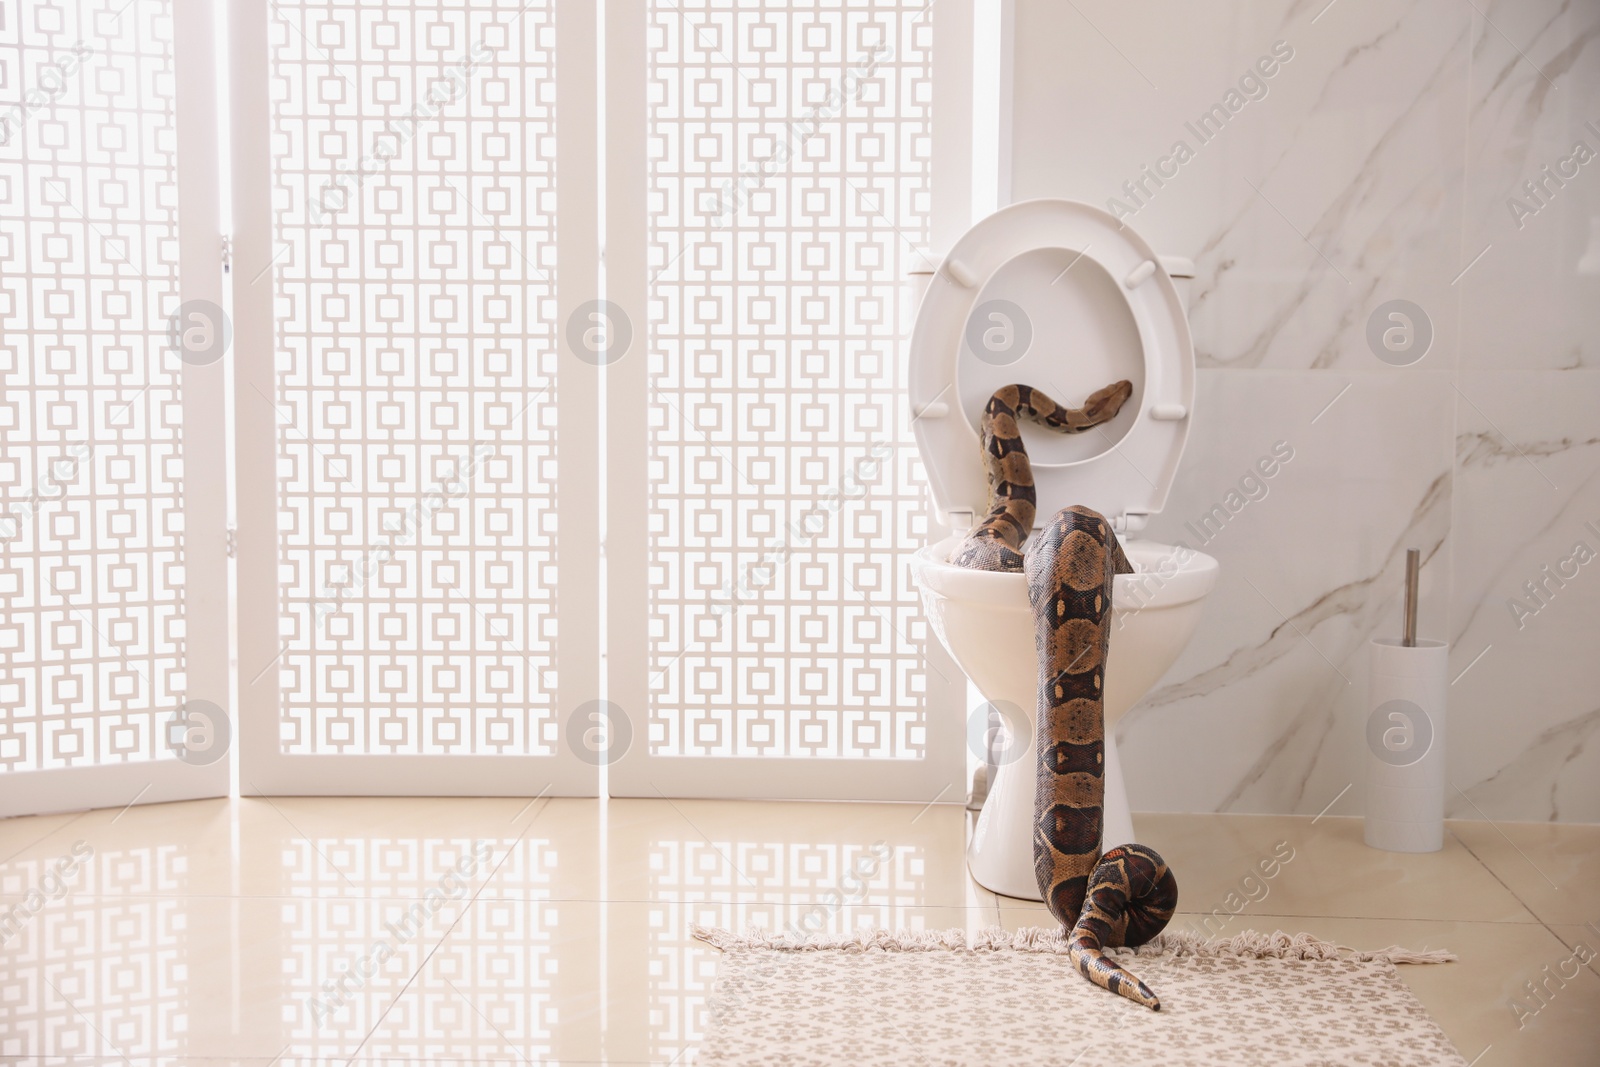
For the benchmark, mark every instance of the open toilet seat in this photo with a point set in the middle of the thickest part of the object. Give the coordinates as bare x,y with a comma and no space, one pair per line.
1060,296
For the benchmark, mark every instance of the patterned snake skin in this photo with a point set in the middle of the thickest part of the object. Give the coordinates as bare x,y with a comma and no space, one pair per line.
1127,895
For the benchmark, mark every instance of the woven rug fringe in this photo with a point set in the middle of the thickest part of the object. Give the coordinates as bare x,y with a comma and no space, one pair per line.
1249,944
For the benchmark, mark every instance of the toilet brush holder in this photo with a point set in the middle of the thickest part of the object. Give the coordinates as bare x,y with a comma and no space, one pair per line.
1406,746
1405,735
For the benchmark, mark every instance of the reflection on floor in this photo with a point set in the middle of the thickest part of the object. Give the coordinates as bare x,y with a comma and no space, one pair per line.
481,930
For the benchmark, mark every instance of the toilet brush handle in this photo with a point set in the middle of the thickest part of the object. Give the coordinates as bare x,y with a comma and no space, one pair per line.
1413,568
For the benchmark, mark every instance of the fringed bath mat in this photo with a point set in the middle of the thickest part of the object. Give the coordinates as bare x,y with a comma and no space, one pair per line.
933,998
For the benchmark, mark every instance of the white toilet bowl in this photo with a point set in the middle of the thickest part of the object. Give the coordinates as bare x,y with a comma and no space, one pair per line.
1063,297
983,619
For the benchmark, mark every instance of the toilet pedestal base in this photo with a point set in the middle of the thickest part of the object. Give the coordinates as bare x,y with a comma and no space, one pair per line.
1001,853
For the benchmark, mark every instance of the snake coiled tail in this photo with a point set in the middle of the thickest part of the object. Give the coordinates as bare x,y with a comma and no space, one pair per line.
995,544
1127,895
1131,898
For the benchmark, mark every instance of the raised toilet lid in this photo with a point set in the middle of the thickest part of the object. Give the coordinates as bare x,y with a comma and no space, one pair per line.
1060,296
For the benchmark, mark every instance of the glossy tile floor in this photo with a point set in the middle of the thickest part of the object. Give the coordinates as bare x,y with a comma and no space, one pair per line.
313,930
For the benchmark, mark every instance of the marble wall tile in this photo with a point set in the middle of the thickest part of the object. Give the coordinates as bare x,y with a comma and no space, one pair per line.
1270,696
1337,190
1526,717
1533,299
1379,164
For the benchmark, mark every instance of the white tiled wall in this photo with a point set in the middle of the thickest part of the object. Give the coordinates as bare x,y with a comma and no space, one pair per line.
1375,164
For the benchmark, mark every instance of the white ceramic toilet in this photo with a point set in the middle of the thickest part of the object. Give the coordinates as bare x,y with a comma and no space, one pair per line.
1060,296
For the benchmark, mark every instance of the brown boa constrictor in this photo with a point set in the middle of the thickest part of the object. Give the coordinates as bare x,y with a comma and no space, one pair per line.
1127,895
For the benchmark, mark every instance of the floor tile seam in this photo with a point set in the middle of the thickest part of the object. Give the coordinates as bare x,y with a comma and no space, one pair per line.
1594,958
1514,894
36,842
428,958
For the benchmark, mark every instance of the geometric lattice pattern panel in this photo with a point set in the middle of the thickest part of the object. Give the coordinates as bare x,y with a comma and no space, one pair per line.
789,187
414,227
804,889
91,538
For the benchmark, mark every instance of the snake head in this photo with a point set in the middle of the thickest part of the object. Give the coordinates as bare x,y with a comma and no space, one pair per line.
1103,404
